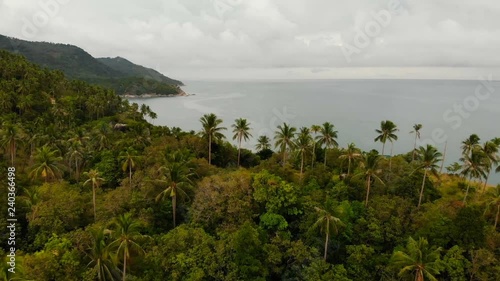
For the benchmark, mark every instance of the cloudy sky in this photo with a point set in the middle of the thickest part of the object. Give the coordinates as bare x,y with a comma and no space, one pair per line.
313,39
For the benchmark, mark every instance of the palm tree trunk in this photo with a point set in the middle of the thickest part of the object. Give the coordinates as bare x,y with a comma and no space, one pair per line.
414,148
486,182
383,148
284,156
12,153
390,158
368,183
496,218
77,171
444,157
327,236
93,200
130,174
239,152
349,167
209,149
313,154
422,189
124,265
467,190
174,205
302,164
326,149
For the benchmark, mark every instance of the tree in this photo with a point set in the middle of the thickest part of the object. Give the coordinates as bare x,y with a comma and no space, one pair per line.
494,200
303,144
469,144
327,223
370,171
315,129
429,157
352,153
416,131
419,259
126,235
328,137
10,136
241,130
47,164
386,132
128,157
101,258
284,139
490,151
211,131
263,143
474,166
176,177
94,178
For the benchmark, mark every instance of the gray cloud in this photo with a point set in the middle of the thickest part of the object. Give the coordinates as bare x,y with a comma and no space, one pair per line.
299,38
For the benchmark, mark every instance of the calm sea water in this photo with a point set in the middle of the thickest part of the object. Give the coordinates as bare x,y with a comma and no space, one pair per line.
355,107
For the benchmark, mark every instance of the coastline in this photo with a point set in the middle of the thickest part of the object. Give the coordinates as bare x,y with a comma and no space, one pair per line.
181,93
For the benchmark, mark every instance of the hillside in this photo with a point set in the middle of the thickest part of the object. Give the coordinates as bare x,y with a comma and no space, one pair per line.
119,74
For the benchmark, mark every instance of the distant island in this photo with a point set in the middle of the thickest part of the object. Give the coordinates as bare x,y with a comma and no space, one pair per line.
124,77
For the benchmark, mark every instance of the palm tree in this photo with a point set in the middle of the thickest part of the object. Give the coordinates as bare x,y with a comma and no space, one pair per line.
284,139
303,143
470,144
386,132
416,131
490,151
351,154
211,131
128,157
419,259
47,164
494,200
369,166
10,136
328,137
177,177
101,258
327,223
263,142
94,178
241,132
429,156
474,166
126,234
315,129
75,154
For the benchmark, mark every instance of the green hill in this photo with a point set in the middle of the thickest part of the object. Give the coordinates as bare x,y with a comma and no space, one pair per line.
119,74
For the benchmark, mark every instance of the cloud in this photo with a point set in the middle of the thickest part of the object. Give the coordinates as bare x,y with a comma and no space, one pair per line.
188,37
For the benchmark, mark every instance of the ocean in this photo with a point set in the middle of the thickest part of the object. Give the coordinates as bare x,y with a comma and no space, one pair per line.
448,110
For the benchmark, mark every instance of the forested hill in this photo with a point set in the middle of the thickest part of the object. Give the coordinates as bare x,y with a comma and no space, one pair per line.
119,74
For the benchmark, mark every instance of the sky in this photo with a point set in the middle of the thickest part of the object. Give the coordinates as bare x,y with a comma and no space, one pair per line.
274,39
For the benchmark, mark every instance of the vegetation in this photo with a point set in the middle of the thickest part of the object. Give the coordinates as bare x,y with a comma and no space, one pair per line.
104,195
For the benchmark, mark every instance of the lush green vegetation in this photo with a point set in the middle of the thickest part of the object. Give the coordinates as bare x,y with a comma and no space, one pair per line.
104,195
118,73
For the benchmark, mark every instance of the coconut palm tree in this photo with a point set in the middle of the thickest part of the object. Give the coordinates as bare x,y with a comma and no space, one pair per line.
494,201
469,144
369,171
490,151
416,131
211,131
303,144
327,223
386,133
315,129
129,158
96,181
328,137
474,166
176,178
101,258
429,157
47,164
419,259
126,233
10,137
241,130
351,153
284,139
263,142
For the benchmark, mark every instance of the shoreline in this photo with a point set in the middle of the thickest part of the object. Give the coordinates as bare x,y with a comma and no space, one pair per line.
181,93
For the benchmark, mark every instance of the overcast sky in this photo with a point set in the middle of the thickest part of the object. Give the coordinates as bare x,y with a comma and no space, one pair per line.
218,39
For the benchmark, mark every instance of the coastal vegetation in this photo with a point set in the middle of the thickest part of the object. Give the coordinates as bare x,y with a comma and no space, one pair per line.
102,194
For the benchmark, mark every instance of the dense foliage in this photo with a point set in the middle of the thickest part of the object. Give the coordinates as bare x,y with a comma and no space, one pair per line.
116,73
104,195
